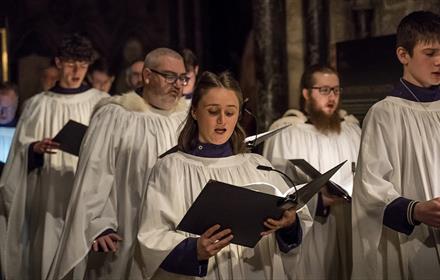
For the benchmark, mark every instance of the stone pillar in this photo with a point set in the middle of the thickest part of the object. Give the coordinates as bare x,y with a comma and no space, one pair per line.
269,26
316,31
363,13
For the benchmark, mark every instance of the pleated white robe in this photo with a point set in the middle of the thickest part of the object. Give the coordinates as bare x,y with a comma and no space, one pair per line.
327,246
124,140
35,204
399,156
175,183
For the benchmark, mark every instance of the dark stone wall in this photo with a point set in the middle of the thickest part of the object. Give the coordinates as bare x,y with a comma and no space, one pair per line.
215,30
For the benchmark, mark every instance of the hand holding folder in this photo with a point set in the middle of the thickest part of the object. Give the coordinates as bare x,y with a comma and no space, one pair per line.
244,210
70,137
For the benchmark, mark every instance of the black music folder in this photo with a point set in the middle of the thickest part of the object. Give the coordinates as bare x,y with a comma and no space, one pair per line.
70,137
243,210
310,171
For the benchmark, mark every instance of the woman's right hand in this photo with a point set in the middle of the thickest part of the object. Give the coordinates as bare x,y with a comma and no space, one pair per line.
209,244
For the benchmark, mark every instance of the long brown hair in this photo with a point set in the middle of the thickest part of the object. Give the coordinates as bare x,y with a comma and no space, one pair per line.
190,132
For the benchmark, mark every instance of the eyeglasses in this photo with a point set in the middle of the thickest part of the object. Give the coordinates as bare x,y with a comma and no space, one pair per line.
327,90
171,78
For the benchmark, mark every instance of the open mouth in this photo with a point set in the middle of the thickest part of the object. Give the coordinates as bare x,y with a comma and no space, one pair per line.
220,130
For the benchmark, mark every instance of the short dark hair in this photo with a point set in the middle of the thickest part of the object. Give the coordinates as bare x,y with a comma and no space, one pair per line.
190,132
420,26
189,59
308,79
76,47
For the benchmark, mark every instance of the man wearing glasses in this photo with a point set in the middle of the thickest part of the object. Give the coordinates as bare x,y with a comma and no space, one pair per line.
126,135
324,136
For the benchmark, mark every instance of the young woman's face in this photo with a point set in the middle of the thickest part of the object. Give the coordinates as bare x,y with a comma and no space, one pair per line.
217,115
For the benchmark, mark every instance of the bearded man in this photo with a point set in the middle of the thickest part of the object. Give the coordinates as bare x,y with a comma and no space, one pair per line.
324,136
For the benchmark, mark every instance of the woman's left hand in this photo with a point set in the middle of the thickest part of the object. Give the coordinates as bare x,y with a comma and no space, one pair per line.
288,219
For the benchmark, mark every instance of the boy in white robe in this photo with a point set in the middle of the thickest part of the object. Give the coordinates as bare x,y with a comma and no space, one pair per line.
211,146
37,180
396,200
324,138
126,136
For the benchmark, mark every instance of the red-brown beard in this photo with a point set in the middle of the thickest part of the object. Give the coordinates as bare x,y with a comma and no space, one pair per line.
322,122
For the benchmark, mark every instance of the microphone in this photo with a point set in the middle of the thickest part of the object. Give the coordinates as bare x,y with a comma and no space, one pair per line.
294,196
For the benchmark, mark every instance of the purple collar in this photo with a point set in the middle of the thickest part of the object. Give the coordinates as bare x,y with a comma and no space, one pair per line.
58,89
423,94
211,150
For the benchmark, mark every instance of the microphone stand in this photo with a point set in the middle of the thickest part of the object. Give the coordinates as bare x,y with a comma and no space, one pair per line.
293,197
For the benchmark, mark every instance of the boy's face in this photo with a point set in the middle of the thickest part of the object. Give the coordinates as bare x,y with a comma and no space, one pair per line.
423,67
72,72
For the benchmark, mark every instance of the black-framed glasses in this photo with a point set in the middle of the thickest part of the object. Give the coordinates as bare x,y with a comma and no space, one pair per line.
327,90
171,78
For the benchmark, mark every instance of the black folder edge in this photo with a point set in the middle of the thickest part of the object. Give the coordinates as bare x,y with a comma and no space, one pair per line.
194,216
261,137
70,137
313,173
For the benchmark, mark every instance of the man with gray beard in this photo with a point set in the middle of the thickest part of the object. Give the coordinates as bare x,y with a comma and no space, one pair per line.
126,136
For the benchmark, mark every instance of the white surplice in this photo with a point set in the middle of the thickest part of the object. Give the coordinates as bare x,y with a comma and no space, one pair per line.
326,248
124,140
399,156
175,183
35,204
